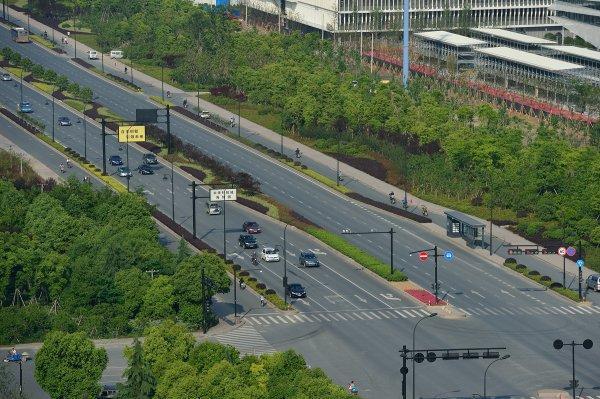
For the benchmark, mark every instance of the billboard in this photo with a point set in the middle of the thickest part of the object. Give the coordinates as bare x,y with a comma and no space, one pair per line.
132,134
227,194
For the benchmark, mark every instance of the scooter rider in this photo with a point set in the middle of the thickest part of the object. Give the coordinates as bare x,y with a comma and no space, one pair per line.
392,199
242,283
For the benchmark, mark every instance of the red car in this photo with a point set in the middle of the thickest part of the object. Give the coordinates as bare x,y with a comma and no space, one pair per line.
251,227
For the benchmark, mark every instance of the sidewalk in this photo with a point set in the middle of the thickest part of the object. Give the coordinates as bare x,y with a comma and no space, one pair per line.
41,169
152,86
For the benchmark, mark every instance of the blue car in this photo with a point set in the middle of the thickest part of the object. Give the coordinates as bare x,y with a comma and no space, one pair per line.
25,107
115,160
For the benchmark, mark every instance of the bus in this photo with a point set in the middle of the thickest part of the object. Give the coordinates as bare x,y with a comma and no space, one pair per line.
19,35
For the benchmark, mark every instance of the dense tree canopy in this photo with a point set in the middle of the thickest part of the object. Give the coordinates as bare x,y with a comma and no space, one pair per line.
74,258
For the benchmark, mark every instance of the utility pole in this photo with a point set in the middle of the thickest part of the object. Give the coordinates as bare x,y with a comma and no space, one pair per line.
392,251
580,271
404,370
285,284
435,255
203,283
194,185
169,150
103,123
152,271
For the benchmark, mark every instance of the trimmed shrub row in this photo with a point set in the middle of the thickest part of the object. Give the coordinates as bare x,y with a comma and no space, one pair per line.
262,289
546,281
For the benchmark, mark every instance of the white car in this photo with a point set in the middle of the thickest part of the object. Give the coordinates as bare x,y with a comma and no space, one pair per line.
269,254
205,114
93,55
213,208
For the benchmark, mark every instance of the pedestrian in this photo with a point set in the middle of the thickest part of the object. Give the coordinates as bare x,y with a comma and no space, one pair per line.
263,302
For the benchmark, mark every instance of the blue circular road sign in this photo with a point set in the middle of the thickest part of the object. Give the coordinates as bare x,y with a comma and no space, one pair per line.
448,255
580,263
571,251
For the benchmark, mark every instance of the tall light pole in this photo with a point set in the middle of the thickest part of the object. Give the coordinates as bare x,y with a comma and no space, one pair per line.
337,168
587,344
413,348
391,232
485,374
52,94
285,285
162,80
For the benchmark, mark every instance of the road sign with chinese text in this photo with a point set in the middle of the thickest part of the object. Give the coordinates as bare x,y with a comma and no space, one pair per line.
227,194
132,134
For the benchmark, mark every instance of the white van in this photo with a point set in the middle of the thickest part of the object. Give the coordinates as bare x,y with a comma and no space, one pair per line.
116,54
93,55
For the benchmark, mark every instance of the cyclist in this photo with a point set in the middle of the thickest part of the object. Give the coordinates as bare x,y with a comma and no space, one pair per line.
62,168
263,301
352,389
168,94
424,210
297,152
185,103
392,199
68,163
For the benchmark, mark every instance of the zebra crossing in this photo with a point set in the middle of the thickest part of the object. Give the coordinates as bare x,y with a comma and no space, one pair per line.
267,319
246,340
320,317
532,310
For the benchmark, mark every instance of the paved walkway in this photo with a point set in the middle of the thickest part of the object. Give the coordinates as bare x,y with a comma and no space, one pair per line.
41,169
380,187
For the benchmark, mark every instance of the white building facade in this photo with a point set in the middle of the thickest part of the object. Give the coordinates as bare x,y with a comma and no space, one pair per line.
339,16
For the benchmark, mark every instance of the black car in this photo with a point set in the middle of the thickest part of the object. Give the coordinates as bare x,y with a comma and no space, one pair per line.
145,170
115,160
247,241
150,159
296,291
251,227
64,121
308,259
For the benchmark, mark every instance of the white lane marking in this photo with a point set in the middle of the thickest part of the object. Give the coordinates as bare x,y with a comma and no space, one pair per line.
559,310
361,299
390,297
464,311
507,293
583,309
567,310
477,293
508,311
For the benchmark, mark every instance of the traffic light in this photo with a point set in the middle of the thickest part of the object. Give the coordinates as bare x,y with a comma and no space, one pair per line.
515,251
470,355
532,251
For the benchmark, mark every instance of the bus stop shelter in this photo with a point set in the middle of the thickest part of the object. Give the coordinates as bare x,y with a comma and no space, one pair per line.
460,225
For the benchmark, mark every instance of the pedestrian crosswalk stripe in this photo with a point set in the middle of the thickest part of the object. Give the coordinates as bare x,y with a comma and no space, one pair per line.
348,315
291,319
567,310
508,311
492,312
255,320
375,315
264,320
474,311
246,339
383,314
332,316
559,310
358,315
273,319
341,317
408,312
577,310
583,309
282,319
323,316
524,310
400,313
541,310
367,316
464,311
595,309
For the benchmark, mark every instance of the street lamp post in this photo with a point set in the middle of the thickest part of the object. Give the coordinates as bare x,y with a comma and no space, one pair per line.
337,163
485,374
52,94
390,232
587,344
18,359
413,348
285,285
162,80
436,285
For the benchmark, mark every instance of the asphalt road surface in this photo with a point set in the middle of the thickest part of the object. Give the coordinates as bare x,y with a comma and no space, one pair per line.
352,324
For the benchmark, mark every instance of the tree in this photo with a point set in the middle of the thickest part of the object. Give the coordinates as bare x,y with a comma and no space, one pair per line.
159,299
69,366
140,381
165,344
183,251
207,353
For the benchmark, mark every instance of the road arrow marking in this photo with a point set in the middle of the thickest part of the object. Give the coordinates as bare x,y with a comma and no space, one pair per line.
360,299
390,297
507,293
318,252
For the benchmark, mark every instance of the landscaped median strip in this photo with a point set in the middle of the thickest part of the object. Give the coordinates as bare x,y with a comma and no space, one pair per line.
546,281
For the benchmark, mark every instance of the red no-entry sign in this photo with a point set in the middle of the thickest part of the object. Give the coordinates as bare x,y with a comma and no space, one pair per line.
423,256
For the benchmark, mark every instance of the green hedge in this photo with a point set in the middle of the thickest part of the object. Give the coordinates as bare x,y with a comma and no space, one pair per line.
543,280
358,255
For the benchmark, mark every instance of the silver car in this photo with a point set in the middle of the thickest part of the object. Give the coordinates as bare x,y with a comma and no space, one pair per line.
6,77
124,171
593,282
212,208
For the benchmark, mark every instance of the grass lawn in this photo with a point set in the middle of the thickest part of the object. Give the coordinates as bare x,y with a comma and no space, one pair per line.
42,41
45,87
249,111
89,40
18,3
78,105
108,114
16,72
68,25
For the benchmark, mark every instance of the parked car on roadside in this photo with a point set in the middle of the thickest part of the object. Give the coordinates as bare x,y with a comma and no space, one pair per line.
6,77
593,282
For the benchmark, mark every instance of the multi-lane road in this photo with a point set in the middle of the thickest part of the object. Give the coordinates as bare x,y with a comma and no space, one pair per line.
352,324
